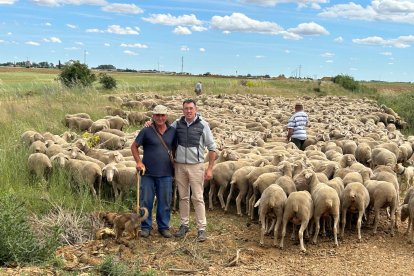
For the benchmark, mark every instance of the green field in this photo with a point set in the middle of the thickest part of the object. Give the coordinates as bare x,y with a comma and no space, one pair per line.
34,100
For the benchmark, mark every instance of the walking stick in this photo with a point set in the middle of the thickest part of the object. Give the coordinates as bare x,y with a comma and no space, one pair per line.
138,186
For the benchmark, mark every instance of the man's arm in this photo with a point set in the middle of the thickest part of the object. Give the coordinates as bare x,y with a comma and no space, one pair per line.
135,153
289,134
208,174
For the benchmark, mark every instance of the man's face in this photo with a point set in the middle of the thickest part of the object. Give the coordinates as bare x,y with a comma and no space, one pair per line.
189,110
159,119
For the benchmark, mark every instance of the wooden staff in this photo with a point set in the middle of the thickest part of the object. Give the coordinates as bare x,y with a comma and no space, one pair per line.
138,186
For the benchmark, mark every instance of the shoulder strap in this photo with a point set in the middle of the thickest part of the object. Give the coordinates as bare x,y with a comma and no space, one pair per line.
163,143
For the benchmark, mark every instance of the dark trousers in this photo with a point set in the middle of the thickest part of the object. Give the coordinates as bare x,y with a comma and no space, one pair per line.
298,143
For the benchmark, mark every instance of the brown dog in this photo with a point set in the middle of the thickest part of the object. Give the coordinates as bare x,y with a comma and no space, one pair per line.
130,223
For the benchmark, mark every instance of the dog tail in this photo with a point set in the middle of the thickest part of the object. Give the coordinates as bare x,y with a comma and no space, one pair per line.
143,214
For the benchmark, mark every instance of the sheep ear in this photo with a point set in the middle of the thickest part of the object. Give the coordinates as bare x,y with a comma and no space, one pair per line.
308,175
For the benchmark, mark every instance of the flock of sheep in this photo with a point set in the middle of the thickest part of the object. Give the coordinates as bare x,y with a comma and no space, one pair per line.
356,159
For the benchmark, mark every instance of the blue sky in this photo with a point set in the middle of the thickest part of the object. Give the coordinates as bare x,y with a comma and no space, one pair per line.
311,38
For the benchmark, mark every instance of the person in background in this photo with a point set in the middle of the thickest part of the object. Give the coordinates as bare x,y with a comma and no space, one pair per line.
297,126
198,88
159,170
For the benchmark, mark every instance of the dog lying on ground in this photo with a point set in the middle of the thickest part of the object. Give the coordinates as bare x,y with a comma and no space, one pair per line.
129,223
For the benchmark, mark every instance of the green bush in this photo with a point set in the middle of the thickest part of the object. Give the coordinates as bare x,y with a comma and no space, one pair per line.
77,74
108,82
111,267
18,244
346,82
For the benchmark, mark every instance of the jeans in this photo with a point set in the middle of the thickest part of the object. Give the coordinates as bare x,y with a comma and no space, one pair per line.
298,143
161,187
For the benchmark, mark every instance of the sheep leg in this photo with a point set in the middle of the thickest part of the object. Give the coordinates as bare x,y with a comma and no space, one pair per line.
335,228
252,202
221,195
276,230
376,219
412,231
272,226
293,235
359,223
393,219
344,210
323,226
229,198
317,227
285,221
248,197
408,227
262,218
302,228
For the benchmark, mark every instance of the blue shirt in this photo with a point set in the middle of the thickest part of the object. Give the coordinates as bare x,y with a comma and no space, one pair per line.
156,160
298,122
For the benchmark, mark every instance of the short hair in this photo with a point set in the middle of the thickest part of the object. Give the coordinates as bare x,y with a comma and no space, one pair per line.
187,101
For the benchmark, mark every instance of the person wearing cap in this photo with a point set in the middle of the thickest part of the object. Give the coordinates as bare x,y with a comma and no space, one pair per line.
297,126
159,170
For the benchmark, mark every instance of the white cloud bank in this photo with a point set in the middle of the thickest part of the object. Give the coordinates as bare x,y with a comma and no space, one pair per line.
315,4
123,8
170,20
400,42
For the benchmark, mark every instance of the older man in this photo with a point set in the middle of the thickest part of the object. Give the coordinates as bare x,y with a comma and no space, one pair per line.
159,169
297,126
193,136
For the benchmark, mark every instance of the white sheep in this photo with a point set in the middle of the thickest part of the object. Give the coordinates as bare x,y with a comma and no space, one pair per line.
355,199
271,205
407,176
298,210
39,164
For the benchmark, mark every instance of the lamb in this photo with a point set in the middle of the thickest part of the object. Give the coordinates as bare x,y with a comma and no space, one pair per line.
39,164
271,205
37,146
29,136
382,194
355,198
298,210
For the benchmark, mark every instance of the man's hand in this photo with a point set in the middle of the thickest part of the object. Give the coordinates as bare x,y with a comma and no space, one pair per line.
140,166
208,174
148,124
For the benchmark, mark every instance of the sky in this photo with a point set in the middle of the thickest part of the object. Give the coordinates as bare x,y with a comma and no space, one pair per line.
368,40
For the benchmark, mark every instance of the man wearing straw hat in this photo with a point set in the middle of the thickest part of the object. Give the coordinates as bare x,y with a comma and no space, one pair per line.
158,142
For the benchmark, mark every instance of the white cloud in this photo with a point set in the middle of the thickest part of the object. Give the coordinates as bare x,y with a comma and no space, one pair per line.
184,48
290,35
52,40
123,8
401,11
287,51
107,44
180,30
301,3
390,63
226,32
258,56
94,31
238,22
116,29
79,43
328,55
400,42
57,3
386,53
130,53
202,50
170,20
135,45
72,48
48,24
329,61
339,39
198,28
310,28
71,26
353,69
7,2
32,43
9,33
2,41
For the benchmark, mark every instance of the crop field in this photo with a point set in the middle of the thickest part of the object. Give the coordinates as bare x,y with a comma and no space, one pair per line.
33,100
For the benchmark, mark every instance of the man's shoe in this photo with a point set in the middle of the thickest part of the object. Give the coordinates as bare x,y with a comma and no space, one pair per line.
165,233
182,231
201,236
145,233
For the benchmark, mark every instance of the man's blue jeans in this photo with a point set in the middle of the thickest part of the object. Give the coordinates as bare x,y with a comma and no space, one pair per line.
162,188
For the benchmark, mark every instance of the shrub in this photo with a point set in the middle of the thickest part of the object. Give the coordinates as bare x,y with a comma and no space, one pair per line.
108,82
346,82
18,243
77,74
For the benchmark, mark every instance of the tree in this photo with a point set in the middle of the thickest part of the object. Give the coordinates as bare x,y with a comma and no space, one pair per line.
108,82
77,74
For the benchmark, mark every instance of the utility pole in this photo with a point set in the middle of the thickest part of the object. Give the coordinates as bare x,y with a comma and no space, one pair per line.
300,67
182,64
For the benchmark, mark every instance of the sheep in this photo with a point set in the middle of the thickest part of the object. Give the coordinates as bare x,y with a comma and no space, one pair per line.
137,118
326,201
352,177
113,111
355,198
39,164
111,141
99,125
76,153
271,205
121,178
29,136
382,156
337,184
349,147
37,146
298,210
363,153
405,210
117,132
116,122
382,194
239,180
78,123
347,160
